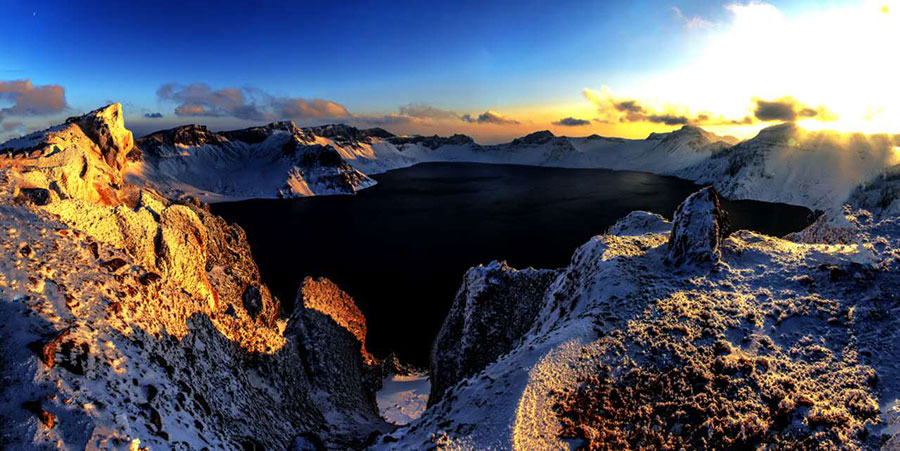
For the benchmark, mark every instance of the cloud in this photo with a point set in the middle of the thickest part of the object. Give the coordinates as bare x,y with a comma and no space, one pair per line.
615,109
30,100
630,106
789,109
422,110
386,120
248,103
691,23
153,115
296,108
668,119
488,117
572,122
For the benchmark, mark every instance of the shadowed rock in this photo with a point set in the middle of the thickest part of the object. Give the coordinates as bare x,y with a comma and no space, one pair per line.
699,226
495,306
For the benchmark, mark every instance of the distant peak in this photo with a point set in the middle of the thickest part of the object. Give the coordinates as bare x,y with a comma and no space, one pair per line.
540,137
781,133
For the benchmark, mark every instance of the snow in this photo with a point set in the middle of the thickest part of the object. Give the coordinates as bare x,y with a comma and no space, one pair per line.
819,170
402,398
98,355
807,309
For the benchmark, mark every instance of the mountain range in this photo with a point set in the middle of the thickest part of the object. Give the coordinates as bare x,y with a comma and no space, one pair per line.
782,163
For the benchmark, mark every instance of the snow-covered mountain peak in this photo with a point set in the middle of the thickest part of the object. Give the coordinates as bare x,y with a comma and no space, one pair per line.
434,141
541,137
692,134
346,135
787,133
184,136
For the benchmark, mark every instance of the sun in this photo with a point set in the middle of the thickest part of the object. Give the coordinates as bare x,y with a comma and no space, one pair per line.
840,58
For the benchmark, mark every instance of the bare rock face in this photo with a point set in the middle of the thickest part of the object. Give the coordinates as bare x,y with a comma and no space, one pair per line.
699,226
81,159
330,332
323,296
182,250
495,306
106,127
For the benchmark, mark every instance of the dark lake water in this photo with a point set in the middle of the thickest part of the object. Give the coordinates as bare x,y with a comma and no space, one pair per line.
401,248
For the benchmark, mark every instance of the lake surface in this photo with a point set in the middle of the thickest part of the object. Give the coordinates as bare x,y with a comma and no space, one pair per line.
401,247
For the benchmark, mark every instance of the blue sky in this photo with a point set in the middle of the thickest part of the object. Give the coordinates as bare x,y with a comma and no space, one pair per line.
369,57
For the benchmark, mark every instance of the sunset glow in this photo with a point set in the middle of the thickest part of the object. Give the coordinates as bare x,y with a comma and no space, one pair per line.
827,66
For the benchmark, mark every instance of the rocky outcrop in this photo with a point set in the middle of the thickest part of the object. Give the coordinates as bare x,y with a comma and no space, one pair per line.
81,159
330,333
317,169
493,309
639,223
141,322
699,227
106,128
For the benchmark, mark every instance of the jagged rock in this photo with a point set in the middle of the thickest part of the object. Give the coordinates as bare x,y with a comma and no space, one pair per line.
82,158
252,300
323,296
36,196
391,365
134,278
495,306
330,331
106,127
699,226
182,250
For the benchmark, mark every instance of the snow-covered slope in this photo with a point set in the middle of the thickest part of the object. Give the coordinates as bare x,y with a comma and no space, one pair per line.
134,322
782,164
787,164
651,339
278,160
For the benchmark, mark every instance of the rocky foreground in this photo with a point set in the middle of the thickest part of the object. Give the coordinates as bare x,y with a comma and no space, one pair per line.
134,319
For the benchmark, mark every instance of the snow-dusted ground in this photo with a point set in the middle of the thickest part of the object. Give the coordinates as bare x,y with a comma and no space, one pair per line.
402,398
822,318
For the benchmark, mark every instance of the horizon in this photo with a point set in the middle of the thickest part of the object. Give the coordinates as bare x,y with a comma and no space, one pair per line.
730,139
613,70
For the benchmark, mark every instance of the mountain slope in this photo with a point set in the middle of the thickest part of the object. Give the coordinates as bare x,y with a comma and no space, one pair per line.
135,322
682,339
786,164
278,160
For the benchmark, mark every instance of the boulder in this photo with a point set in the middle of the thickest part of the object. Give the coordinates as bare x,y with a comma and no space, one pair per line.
699,226
493,309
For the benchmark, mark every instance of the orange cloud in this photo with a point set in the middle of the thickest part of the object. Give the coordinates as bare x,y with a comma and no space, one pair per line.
248,103
489,117
30,100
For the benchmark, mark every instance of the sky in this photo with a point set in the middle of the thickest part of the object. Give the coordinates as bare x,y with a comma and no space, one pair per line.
493,70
